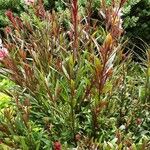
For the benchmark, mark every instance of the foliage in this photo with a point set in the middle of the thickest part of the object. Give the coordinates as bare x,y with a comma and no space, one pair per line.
5,85
136,19
136,14
15,6
74,87
18,6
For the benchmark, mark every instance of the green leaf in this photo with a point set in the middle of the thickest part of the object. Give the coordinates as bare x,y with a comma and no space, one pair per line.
65,72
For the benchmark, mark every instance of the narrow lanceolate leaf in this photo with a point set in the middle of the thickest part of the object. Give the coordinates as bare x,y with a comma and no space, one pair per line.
110,61
65,72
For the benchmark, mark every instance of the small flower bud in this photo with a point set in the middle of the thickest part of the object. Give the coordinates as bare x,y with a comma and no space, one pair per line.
3,53
57,145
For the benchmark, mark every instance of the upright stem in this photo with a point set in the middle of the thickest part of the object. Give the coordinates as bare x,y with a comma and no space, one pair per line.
147,87
72,117
72,113
75,25
94,123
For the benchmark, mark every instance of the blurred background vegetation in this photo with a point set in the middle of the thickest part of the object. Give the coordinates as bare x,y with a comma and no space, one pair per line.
30,119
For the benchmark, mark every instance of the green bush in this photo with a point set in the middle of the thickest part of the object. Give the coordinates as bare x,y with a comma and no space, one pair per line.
74,87
136,19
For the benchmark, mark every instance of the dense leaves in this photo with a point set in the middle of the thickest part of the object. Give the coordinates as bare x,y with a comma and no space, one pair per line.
72,86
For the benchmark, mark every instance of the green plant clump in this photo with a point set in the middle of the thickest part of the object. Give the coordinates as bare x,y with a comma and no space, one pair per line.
73,87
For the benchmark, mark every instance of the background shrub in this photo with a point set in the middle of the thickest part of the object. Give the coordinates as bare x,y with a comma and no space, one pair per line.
137,23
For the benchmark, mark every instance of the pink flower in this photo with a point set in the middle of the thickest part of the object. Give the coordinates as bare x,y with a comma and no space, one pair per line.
3,53
29,2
